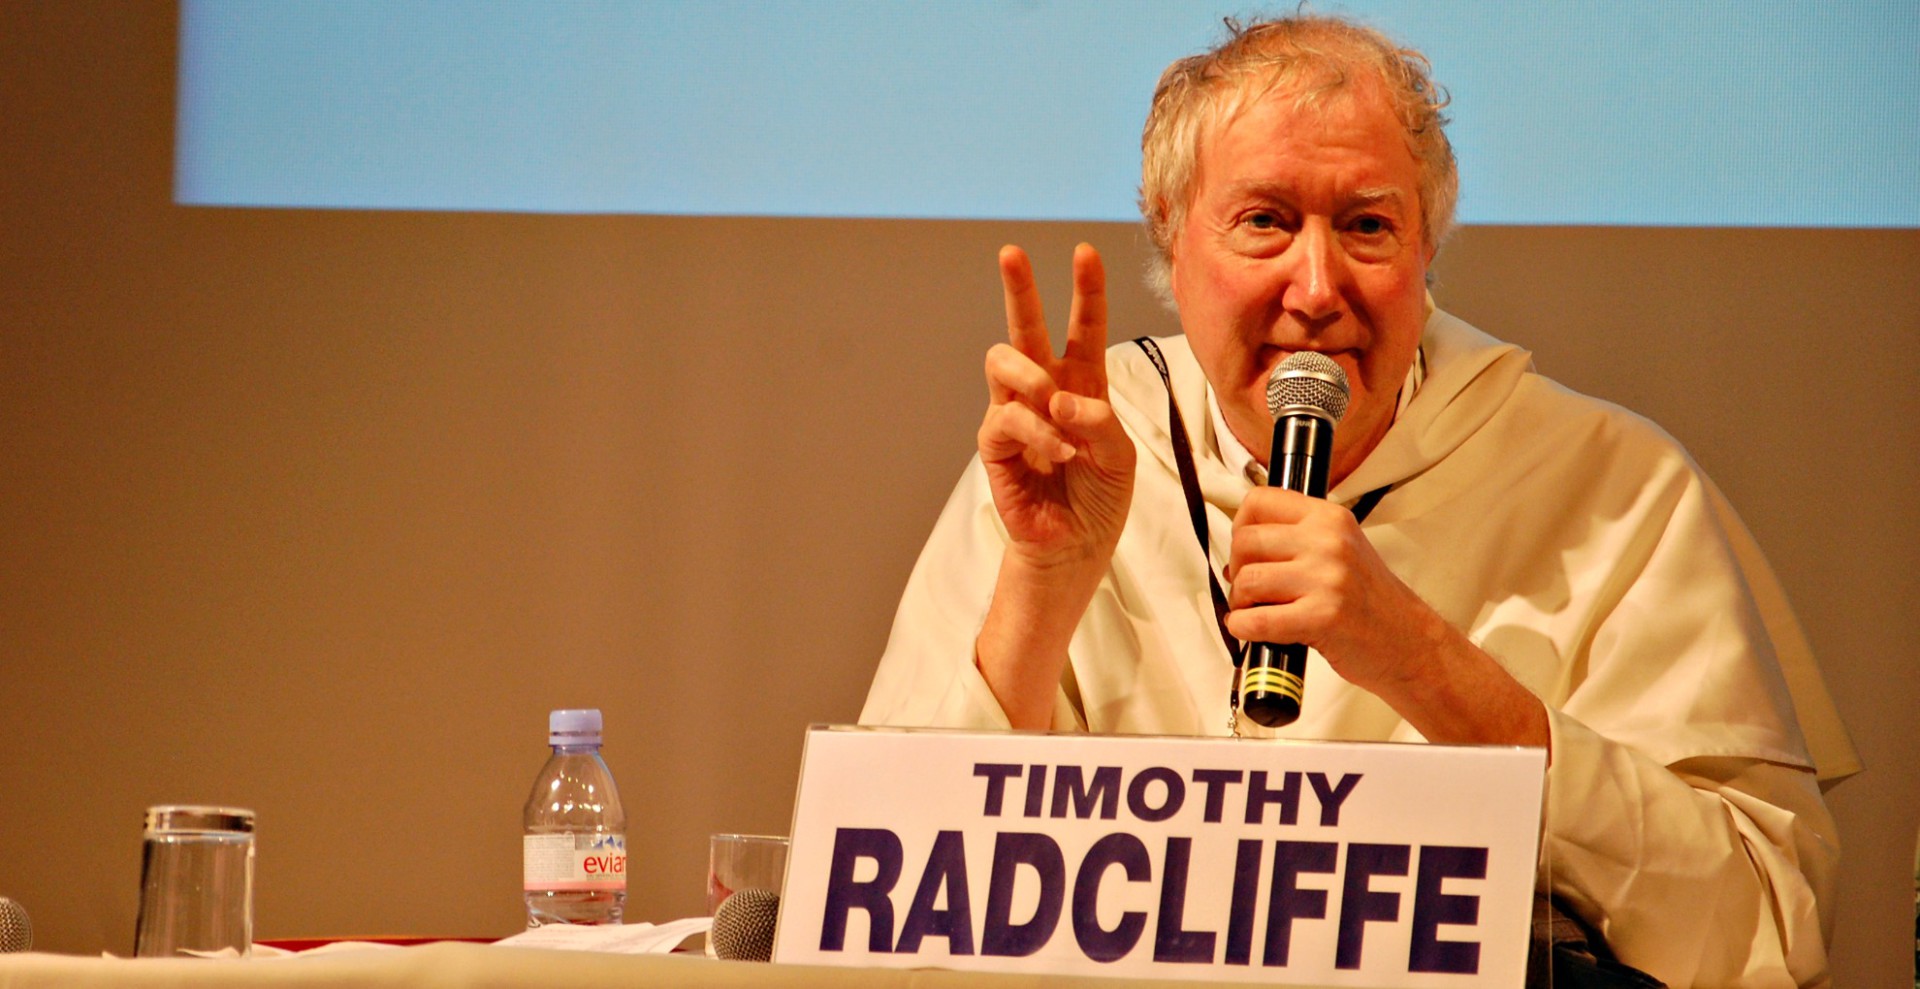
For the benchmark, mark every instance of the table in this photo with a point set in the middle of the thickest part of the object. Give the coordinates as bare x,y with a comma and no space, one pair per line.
449,965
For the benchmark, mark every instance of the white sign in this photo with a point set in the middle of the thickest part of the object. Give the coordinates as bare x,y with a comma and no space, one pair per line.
1251,860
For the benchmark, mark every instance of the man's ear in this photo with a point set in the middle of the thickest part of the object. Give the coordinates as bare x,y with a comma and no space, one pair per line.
1163,219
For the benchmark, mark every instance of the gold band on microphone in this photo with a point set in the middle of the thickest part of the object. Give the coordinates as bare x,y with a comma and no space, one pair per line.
1272,680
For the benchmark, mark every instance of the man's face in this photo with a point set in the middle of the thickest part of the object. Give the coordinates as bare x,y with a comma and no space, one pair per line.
1305,234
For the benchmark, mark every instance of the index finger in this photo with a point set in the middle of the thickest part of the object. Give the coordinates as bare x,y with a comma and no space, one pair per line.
1265,505
1087,321
1026,324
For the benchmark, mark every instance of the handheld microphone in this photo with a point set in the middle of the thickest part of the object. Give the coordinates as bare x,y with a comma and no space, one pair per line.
16,931
1307,394
743,926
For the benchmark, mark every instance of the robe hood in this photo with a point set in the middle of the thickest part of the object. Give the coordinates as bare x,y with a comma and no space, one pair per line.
1469,376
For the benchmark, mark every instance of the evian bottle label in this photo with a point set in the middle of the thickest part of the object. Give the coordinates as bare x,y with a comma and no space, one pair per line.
567,862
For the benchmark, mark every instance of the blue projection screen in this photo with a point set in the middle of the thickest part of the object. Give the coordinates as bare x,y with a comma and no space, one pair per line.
1635,112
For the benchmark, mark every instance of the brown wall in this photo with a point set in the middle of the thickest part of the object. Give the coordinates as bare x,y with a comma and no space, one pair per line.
320,512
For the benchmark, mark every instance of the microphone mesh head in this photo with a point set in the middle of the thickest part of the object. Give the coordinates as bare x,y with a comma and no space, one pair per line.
16,931
1308,382
743,926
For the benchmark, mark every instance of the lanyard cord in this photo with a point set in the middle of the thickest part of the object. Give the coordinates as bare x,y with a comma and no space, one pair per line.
1196,505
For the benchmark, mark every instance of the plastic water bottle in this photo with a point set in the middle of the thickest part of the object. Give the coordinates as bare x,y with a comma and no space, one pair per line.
575,843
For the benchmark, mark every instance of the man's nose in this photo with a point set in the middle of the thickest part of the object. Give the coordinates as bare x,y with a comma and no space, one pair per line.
1313,291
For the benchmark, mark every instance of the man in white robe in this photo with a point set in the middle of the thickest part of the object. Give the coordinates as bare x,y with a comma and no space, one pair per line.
1544,569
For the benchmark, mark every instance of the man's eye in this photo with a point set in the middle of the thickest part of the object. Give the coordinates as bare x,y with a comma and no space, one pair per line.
1263,221
1370,226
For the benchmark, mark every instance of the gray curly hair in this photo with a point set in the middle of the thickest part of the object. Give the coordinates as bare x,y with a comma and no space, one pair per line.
1312,56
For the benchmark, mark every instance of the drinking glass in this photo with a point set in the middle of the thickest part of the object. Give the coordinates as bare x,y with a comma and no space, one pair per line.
743,861
196,883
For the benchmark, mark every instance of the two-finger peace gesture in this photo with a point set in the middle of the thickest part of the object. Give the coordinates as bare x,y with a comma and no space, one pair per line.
1059,464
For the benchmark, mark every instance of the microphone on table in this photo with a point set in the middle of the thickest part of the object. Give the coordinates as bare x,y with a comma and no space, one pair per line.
743,926
1306,394
16,931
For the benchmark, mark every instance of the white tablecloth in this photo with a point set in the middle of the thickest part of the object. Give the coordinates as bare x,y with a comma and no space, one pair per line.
479,966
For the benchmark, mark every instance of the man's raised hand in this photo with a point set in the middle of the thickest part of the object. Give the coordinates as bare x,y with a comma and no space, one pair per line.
1059,464
1061,471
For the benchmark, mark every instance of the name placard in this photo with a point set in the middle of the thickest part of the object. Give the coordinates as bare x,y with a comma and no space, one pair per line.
1306,863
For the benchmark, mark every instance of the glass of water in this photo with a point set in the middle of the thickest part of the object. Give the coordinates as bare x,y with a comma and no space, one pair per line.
196,883
743,861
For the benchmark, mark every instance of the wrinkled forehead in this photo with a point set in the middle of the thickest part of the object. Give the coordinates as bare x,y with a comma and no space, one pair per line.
1317,91
1356,91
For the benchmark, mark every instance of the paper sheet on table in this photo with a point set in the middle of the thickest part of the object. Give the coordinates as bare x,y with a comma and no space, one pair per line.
317,951
624,939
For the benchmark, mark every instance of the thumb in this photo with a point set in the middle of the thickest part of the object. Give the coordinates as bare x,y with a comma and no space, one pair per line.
1091,423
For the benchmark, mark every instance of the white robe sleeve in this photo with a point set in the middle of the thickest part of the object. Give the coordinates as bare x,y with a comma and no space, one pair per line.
1581,548
927,677
1712,872
1684,817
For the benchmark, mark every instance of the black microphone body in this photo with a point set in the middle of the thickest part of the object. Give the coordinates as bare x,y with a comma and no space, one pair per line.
1306,395
1273,679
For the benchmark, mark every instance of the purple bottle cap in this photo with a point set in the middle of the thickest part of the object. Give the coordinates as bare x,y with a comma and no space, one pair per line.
574,726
